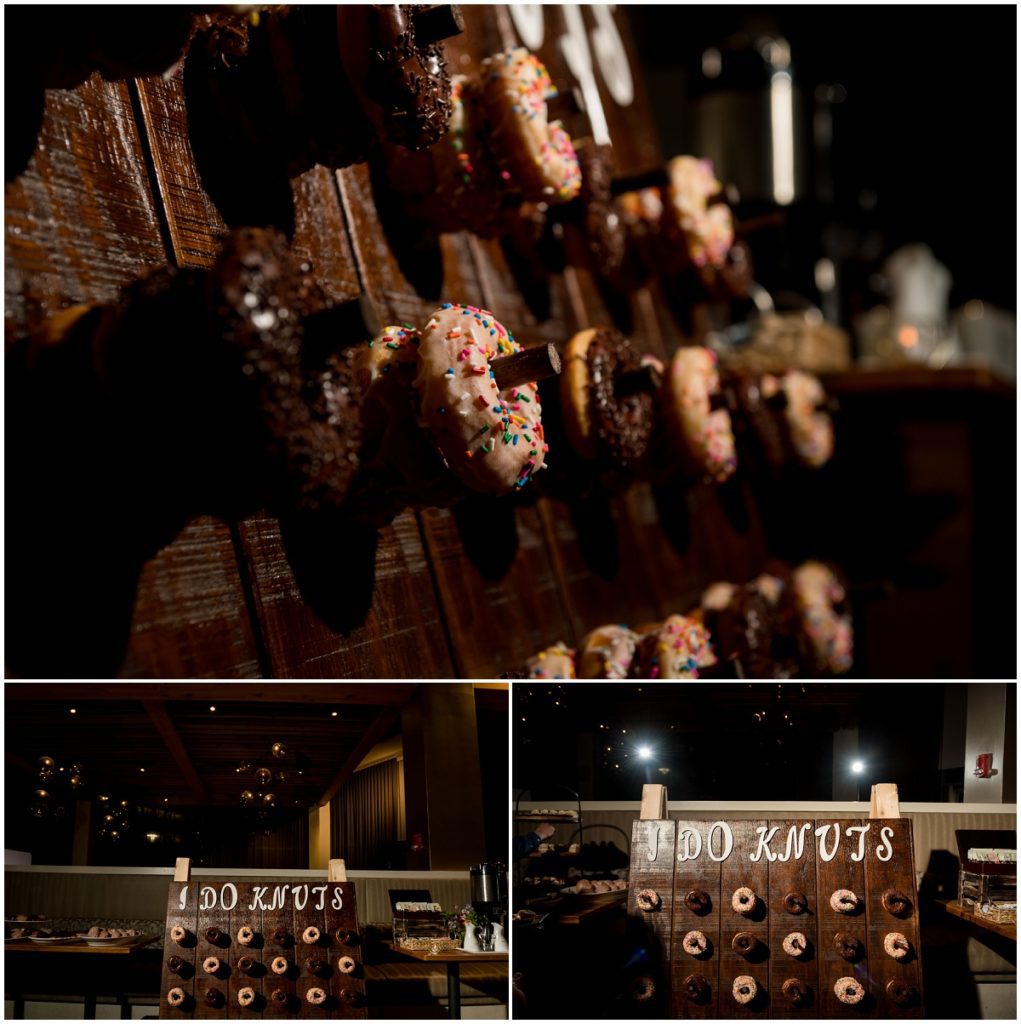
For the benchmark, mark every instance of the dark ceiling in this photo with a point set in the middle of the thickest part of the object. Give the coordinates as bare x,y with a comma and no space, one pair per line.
191,754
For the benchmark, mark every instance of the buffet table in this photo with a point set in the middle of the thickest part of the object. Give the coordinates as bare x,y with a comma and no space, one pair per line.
453,960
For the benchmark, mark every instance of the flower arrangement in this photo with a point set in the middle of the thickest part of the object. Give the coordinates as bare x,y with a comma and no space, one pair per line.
457,919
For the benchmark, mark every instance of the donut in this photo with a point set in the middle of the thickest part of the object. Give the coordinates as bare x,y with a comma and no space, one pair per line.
674,649
848,991
756,428
896,944
794,990
642,988
795,903
744,900
607,653
901,994
648,900
279,998
397,71
245,936
706,231
215,998
795,944
605,236
695,943
347,938
848,946
744,943
742,623
316,966
175,997
698,901
600,422
175,964
536,154
696,988
245,964
895,902
491,439
246,996
212,964
311,935
582,885
556,662
843,901
600,886
347,965
744,989
702,435
641,213
280,965
316,996
178,934
826,634
809,428
281,936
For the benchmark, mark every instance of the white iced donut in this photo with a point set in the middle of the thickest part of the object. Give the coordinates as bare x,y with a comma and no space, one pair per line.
556,662
178,934
849,991
795,944
896,945
745,988
717,596
245,936
707,230
843,901
810,429
492,440
316,996
246,996
648,900
702,436
607,653
695,943
829,636
538,153
674,649
744,900
279,965
346,965
211,964
175,997
311,935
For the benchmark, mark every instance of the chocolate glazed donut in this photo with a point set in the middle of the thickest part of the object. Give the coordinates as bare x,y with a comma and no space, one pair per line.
393,60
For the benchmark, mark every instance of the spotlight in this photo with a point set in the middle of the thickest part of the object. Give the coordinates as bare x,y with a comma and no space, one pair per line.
857,767
645,753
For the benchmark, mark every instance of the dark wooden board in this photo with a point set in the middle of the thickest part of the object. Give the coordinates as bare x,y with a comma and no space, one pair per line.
794,875
691,876
344,919
652,867
187,918
841,873
895,873
240,917
213,917
737,872
280,917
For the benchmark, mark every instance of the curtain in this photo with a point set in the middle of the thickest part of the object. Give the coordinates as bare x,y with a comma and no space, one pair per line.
367,818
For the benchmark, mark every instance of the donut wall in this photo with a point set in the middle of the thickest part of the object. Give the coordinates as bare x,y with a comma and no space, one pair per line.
786,919
175,518
283,951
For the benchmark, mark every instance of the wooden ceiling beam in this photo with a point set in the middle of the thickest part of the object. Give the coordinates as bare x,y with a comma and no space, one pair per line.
375,732
381,694
157,712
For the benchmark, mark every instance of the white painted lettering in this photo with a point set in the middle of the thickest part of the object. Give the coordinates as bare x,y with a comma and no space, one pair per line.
207,897
763,846
828,855
885,835
233,890
728,840
862,830
321,902
692,840
795,842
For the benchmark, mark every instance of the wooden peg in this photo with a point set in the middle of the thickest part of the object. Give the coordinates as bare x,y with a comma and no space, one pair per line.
653,802
438,23
525,366
635,382
182,869
337,871
885,801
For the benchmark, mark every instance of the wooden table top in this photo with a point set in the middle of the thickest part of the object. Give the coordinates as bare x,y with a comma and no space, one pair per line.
126,947
449,956
1008,931
583,915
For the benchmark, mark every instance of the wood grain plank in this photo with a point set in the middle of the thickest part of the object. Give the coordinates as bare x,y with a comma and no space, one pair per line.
347,990
185,979
243,916
399,635
794,875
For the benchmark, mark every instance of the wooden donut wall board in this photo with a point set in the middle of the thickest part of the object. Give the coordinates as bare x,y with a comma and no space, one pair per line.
113,190
229,906
775,858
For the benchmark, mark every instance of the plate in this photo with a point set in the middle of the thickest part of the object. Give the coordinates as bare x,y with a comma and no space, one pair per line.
34,923
53,940
113,940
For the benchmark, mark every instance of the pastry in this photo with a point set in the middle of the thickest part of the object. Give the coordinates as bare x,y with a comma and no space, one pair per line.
607,653
674,649
556,662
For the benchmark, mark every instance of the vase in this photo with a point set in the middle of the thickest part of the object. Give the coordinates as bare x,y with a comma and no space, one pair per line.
500,939
471,940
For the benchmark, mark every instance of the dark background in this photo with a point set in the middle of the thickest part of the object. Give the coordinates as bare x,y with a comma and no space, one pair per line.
742,741
924,134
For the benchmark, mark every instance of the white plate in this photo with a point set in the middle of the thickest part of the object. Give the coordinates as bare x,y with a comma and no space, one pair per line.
112,940
53,940
594,896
